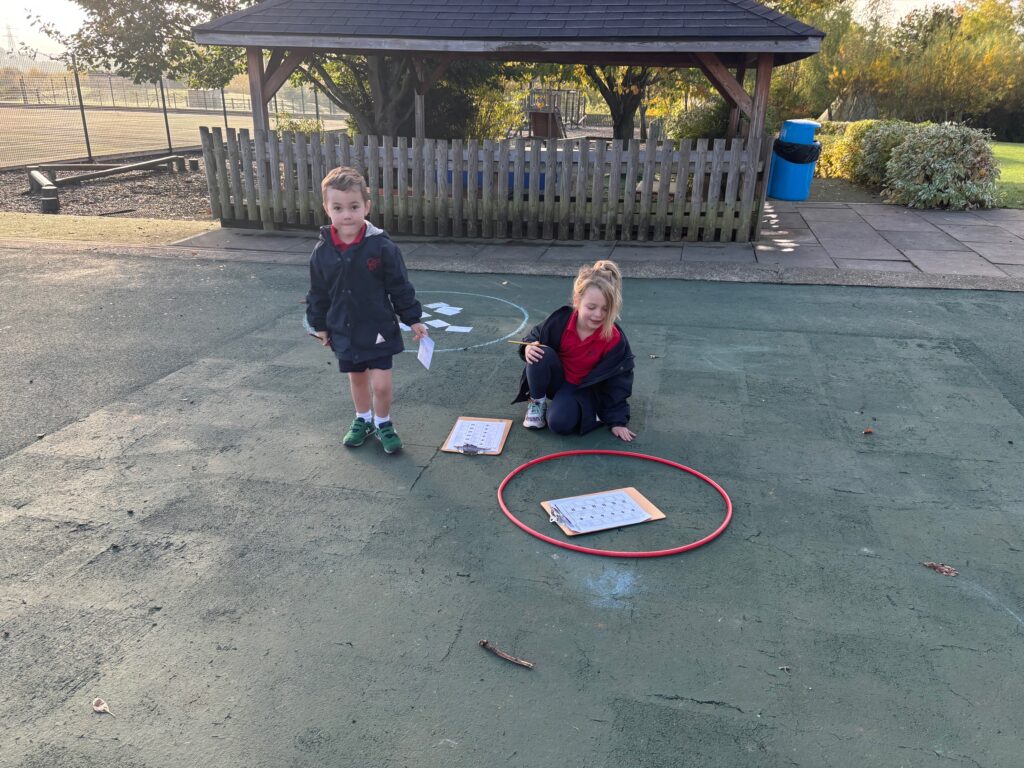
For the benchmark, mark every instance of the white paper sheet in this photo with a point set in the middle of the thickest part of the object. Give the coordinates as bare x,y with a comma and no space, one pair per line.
448,311
436,304
437,323
598,512
484,436
426,351
458,329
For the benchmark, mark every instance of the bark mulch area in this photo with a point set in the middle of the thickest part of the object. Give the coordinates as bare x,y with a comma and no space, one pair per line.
149,194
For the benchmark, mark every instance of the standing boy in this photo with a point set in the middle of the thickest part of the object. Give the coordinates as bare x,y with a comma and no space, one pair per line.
357,285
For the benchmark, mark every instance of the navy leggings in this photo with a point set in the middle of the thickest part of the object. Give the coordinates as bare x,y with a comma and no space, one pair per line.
547,379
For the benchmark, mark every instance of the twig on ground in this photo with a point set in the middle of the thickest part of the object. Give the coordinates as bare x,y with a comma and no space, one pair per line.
506,656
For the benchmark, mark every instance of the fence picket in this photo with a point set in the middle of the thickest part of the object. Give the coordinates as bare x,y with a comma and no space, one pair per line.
697,190
597,195
549,163
441,200
731,186
235,176
629,190
212,170
274,176
614,182
663,170
250,183
682,170
291,210
266,214
580,209
458,191
518,189
487,199
472,186
402,187
533,204
388,186
224,177
501,226
418,191
429,187
714,189
647,185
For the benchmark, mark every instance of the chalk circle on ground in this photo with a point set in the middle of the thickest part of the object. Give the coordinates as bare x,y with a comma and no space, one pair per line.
611,552
439,335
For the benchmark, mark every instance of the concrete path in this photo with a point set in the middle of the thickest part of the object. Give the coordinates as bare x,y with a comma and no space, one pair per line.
818,243
182,535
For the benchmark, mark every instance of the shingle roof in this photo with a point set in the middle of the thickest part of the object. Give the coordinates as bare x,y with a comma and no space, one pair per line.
493,23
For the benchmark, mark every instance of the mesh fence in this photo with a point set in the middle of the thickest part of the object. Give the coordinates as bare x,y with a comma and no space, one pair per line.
47,114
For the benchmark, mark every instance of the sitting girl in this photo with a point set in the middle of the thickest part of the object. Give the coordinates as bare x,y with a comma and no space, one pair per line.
579,368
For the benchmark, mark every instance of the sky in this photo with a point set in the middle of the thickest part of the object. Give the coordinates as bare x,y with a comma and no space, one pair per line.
69,17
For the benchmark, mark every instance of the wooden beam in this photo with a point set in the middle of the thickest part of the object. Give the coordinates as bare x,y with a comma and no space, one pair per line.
274,79
276,55
734,113
726,84
765,62
260,115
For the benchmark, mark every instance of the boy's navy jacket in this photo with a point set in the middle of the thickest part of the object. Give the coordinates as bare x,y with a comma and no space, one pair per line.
610,383
355,294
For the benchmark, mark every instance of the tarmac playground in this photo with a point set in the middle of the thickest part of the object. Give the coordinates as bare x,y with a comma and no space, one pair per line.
188,540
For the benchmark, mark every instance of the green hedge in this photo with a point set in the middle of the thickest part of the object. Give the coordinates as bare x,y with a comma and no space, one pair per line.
922,165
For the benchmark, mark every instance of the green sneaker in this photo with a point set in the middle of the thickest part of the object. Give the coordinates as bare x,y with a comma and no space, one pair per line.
389,438
358,432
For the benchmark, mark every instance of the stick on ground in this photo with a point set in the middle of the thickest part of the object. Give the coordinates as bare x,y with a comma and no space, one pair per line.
506,656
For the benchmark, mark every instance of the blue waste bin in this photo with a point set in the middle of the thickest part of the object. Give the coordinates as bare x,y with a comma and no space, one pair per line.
794,155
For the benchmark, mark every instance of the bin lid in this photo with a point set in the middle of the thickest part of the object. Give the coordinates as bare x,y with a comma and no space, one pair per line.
804,122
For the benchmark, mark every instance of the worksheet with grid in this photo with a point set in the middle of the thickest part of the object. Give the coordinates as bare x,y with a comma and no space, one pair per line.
601,511
476,435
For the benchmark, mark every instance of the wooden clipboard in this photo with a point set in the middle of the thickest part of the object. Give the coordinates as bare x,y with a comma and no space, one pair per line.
653,513
467,447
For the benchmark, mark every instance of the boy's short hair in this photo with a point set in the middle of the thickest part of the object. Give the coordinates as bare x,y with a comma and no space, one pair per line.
343,179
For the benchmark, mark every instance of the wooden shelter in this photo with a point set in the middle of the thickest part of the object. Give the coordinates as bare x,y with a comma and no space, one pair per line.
724,38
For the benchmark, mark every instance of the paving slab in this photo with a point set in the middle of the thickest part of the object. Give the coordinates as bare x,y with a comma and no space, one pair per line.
874,247
816,215
649,253
920,241
953,263
1000,253
971,233
876,265
733,253
816,258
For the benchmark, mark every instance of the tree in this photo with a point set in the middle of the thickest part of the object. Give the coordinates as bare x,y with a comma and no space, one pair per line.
623,88
150,39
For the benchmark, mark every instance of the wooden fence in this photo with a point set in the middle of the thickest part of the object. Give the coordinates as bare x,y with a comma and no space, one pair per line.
564,189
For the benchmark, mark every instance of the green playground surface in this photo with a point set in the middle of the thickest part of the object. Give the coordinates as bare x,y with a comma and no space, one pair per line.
189,540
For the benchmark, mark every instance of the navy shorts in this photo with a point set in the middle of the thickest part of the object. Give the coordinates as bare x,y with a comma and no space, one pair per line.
377,364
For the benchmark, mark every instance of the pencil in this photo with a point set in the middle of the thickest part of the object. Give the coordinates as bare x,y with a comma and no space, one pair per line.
525,343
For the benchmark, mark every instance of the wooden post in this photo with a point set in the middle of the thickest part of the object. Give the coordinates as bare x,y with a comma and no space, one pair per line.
421,120
765,62
734,113
260,115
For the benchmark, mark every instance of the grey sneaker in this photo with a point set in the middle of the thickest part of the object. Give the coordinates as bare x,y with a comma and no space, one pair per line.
535,415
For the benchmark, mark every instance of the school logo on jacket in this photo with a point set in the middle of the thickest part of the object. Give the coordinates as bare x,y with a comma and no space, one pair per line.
373,264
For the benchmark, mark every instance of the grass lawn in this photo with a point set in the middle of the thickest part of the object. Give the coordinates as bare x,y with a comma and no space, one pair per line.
41,226
1010,158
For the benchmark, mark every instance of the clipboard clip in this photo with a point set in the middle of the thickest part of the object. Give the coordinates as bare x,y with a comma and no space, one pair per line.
469,449
555,516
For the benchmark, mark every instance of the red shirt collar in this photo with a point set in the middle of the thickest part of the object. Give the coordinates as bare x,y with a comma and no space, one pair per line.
341,244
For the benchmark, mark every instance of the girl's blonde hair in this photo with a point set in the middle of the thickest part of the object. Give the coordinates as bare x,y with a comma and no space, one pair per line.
605,276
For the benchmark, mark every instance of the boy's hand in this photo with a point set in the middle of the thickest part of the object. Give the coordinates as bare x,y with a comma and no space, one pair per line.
624,433
419,331
533,352
325,338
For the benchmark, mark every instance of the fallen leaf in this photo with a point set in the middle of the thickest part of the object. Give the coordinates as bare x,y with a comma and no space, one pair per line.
504,282
654,357
100,706
868,431
945,570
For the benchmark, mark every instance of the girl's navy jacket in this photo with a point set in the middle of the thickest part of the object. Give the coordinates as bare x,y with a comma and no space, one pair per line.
605,391
356,293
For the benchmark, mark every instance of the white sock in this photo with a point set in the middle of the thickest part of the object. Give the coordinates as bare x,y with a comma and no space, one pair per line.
378,420
364,416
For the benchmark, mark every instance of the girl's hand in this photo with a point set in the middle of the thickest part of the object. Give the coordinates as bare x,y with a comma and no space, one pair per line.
325,338
533,352
419,331
625,434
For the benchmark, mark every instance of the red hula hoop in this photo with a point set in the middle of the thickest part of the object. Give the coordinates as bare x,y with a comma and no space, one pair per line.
611,552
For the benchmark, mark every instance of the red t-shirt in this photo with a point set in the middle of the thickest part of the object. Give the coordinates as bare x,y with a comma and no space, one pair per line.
580,357
342,245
